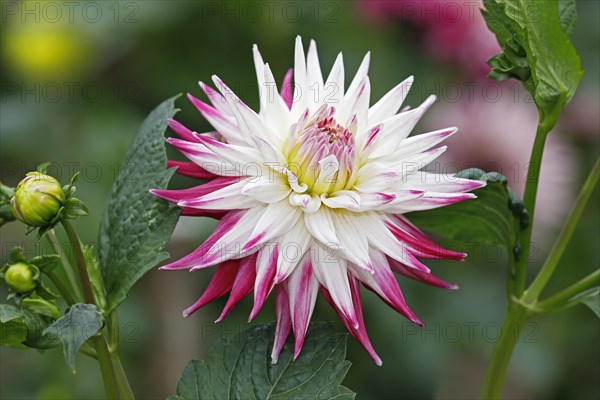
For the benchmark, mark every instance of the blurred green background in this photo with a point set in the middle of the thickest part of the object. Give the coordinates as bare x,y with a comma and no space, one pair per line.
77,80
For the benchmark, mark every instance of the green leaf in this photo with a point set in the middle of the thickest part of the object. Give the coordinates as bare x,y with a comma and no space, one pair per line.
16,255
241,368
21,328
136,226
495,217
80,322
41,306
590,298
6,193
45,263
536,50
74,208
567,11
91,264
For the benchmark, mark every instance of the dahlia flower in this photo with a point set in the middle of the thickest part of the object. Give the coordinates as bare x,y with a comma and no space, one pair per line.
311,193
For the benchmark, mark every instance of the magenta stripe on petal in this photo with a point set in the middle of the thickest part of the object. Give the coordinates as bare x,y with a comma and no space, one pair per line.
181,130
405,231
207,111
243,284
196,212
200,255
303,301
175,196
190,169
360,333
266,267
286,88
421,276
284,322
221,283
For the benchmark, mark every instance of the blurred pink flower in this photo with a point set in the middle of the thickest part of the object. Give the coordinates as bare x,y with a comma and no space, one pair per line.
454,31
498,136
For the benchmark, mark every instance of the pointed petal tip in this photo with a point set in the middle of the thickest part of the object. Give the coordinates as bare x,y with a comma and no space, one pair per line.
297,352
378,361
253,313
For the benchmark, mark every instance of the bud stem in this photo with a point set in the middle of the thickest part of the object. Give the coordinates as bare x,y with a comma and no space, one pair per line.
88,293
61,288
53,240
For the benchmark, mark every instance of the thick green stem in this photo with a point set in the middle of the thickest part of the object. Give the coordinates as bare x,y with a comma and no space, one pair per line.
62,289
88,293
542,278
113,330
122,382
531,187
69,272
106,367
113,374
493,384
561,299
116,384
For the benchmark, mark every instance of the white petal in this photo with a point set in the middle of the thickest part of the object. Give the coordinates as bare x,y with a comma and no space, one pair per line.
355,244
332,273
228,247
375,177
277,114
389,104
267,188
314,77
243,157
342,199
292,247
301,95
334,86
442,183
228,198
425,141
396,129
320,225
381,238
276,220
259,66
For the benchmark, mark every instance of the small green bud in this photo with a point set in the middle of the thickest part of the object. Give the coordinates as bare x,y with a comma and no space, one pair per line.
38,199
19,277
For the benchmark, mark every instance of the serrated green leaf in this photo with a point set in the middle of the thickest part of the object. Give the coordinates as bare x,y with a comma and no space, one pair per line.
241,368
21,328
536,50
590,298
495,217
136,226
567,12
80,322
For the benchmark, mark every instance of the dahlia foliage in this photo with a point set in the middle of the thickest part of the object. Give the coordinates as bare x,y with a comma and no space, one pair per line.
311,193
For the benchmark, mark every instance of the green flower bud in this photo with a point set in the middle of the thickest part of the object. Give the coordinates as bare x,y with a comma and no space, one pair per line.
19,277
38,199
